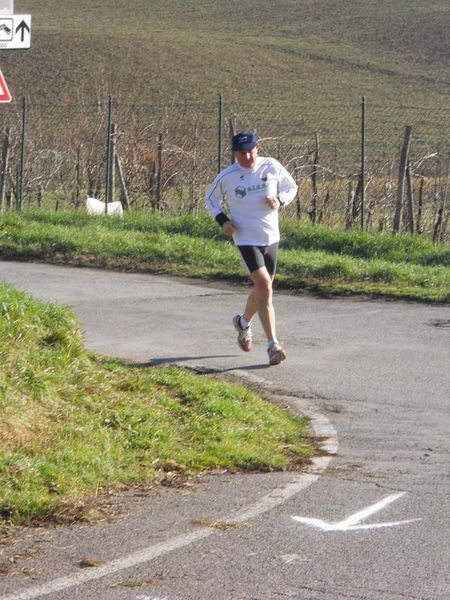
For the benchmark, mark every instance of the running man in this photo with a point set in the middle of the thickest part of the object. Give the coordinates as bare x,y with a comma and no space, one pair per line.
254,188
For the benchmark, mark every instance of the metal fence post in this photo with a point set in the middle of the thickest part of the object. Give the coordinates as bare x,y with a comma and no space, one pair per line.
108,153
219,137
363,157
22,155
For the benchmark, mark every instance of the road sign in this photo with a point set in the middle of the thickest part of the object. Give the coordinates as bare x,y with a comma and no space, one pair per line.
15,31
5,96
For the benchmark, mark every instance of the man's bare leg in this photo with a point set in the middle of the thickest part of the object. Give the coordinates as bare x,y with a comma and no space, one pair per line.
260,301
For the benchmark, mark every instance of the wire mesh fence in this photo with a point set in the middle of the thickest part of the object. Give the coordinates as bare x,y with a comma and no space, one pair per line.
164,156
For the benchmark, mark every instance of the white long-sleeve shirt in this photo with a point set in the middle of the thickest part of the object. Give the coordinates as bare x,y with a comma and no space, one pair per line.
245,191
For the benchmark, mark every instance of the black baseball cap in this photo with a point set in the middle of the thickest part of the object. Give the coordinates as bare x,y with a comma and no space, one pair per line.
244,141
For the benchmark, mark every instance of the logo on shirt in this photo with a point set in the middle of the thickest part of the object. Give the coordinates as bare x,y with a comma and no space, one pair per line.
240,192
256,189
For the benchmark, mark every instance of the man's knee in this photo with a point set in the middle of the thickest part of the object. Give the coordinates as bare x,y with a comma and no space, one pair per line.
263,283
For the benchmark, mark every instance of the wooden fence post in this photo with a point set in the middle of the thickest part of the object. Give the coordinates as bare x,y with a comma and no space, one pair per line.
40,194
437,225
408,220
159,173
314,195
419,228
401,178
124,195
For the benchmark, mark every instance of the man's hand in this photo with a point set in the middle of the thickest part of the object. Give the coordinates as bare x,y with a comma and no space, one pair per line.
272,202
228,228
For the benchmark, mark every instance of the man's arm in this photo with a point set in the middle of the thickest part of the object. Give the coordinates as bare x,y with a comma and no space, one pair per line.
287,188
214,204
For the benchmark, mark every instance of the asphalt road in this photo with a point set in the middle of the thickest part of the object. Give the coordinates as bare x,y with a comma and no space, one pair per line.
370,522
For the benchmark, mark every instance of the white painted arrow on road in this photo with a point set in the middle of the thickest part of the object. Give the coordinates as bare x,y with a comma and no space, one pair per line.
353,522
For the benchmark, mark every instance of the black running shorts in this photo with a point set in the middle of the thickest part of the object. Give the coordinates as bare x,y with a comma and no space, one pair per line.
255,257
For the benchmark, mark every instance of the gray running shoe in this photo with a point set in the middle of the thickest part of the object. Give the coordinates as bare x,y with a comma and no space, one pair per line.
245,336
276,354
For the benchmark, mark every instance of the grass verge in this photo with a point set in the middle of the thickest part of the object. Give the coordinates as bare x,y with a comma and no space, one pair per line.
74,424
317,259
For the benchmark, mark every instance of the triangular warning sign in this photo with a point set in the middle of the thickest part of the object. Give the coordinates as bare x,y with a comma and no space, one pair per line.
5,96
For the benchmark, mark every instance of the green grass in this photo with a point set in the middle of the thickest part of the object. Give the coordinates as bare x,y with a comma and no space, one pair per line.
74,424
318,259
369,246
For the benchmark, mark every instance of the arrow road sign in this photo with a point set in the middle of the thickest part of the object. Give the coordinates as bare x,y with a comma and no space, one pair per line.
5,96
15,31
22,27
352,523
